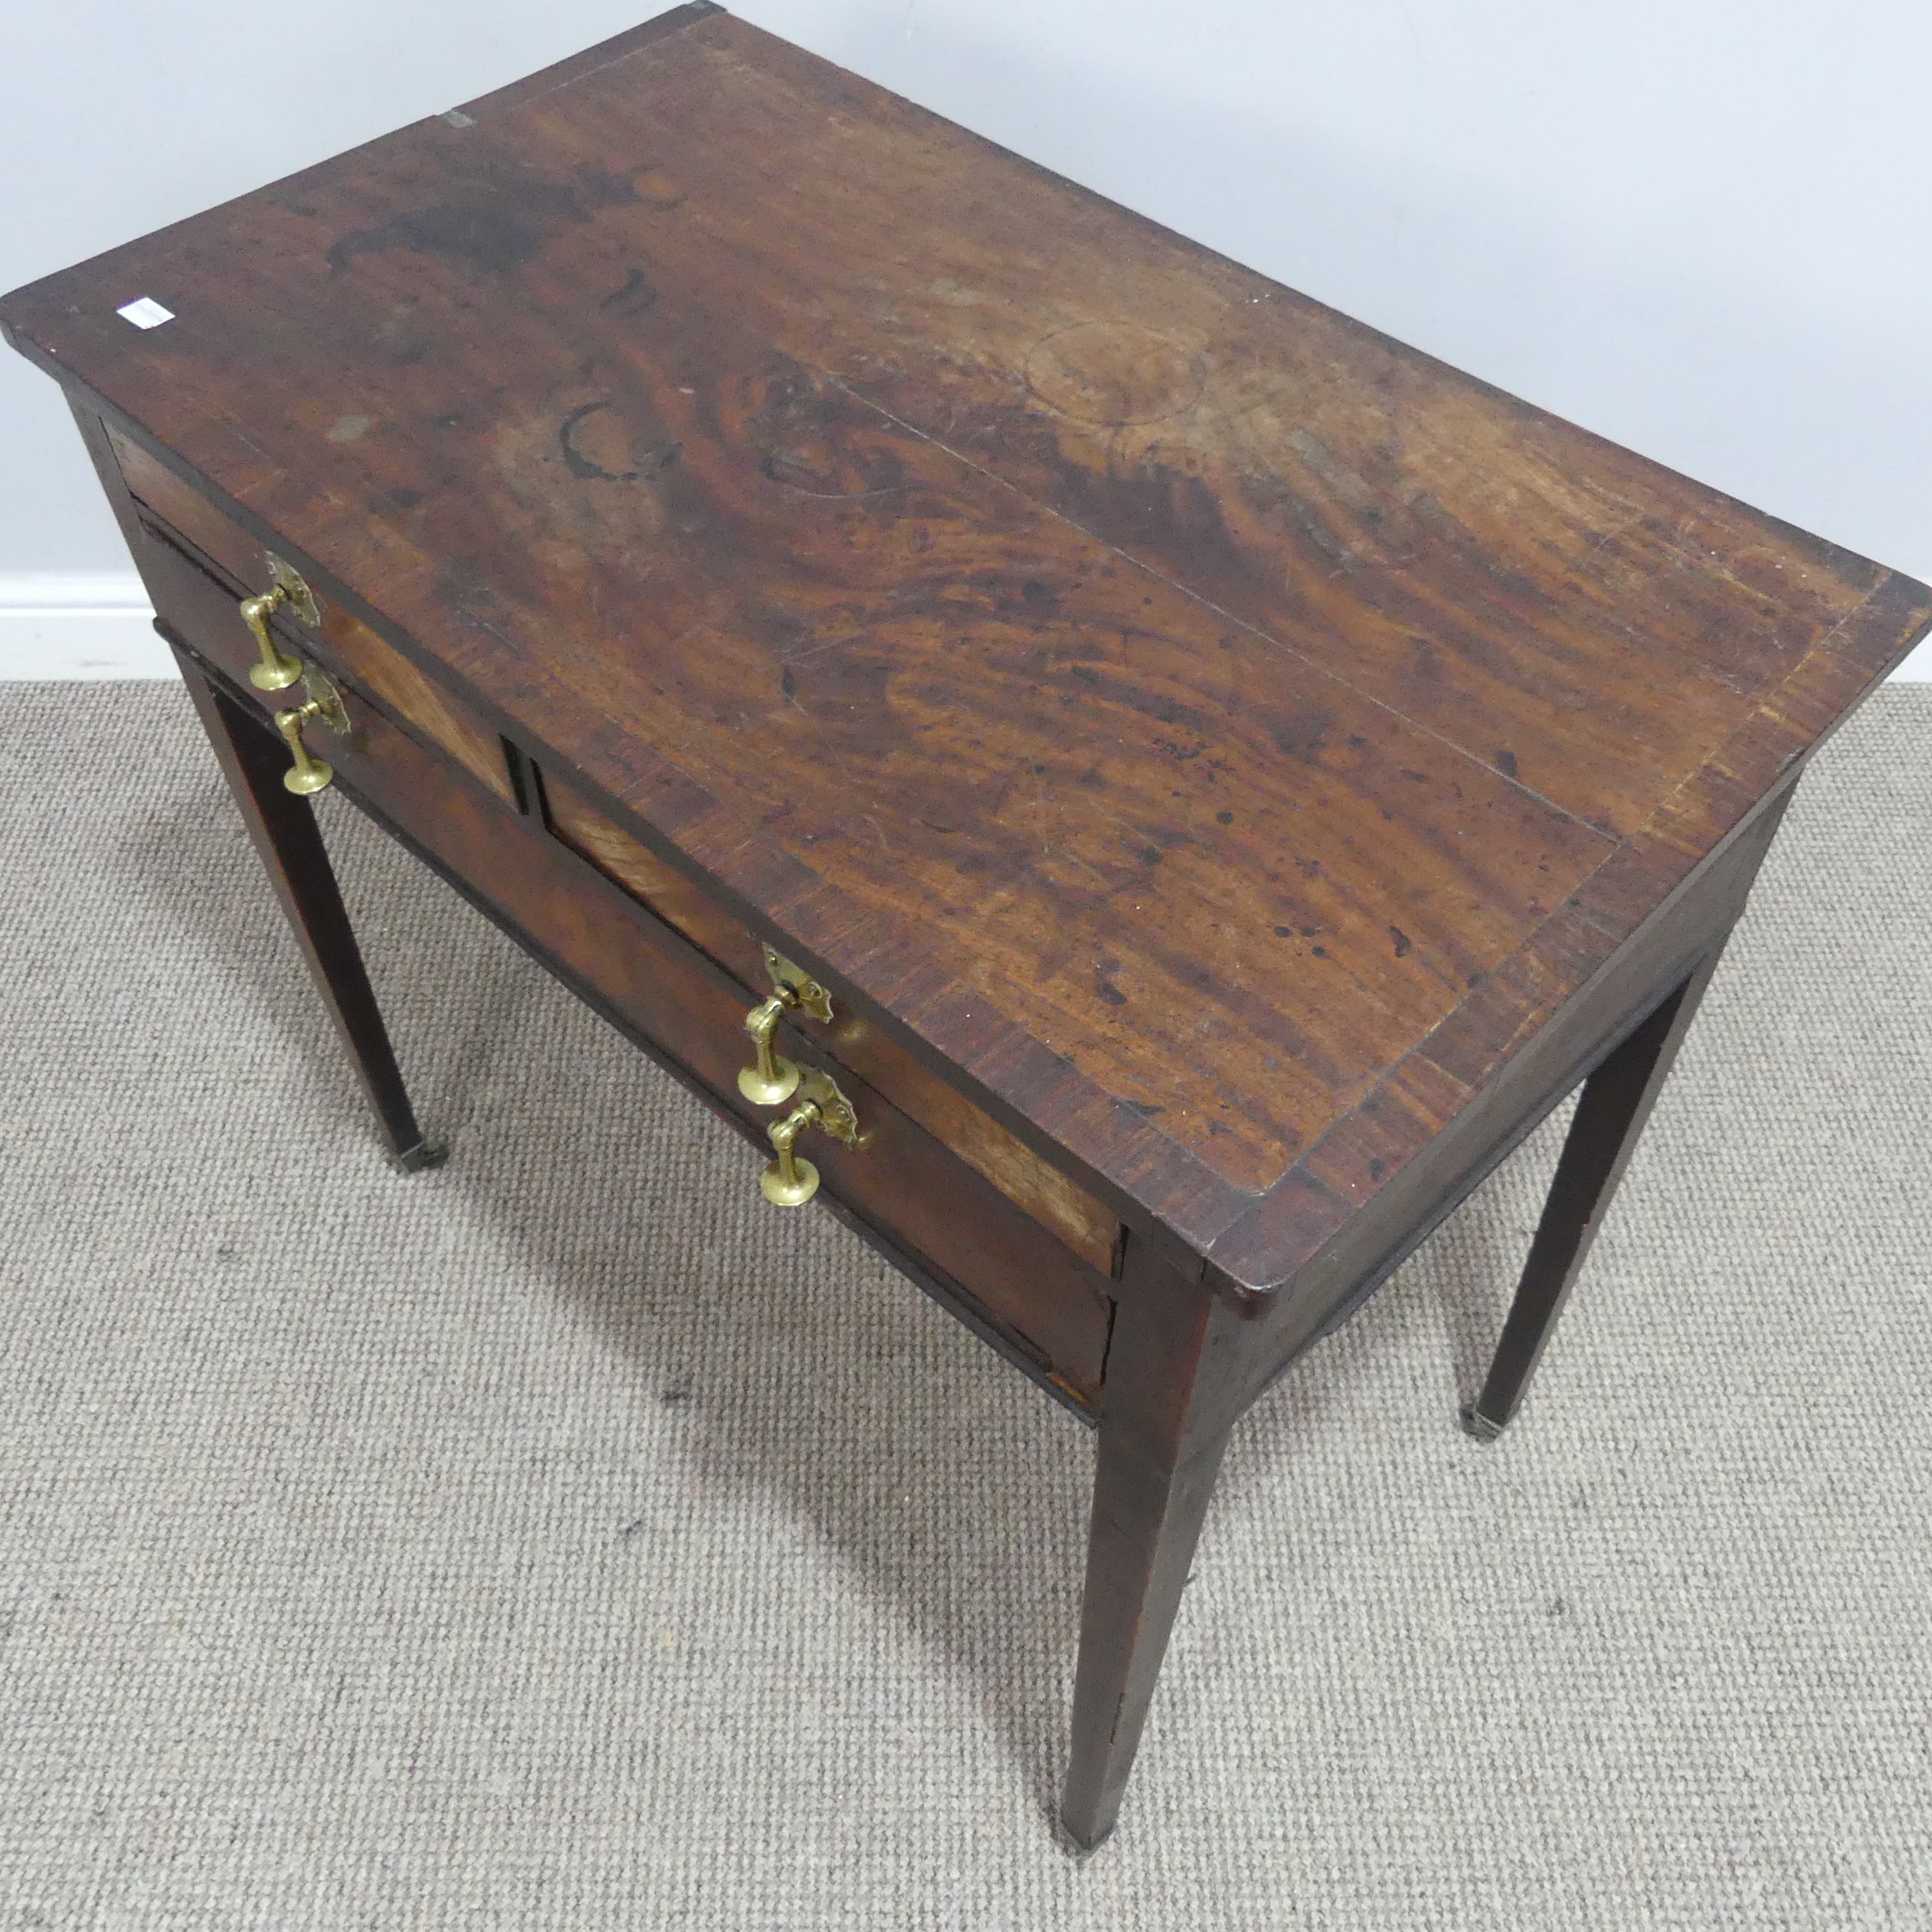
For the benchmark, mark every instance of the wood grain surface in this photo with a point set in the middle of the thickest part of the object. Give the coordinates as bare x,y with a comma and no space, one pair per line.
1188,719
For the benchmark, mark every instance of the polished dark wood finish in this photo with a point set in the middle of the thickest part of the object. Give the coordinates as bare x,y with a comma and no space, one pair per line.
1322,708
1162,1434
1615,1102
1236,774
282,828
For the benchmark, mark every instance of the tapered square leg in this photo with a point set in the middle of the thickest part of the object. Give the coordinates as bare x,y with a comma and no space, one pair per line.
1616,1103
285,835
1164,1425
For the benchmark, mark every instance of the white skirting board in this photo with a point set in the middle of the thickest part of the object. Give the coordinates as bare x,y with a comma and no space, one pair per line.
79,627
100,627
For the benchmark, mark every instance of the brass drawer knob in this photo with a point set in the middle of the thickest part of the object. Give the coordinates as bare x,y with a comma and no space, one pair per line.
791,1180
277,670
771,1080
308,774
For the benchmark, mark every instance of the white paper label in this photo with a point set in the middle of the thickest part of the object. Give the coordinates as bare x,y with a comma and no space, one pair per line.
147,313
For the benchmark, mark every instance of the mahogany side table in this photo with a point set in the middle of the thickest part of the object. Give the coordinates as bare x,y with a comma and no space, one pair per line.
1133,790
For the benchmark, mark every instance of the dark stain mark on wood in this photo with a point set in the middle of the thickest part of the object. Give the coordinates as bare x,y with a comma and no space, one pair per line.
1403,945
653,462
1506,762
1301,734
637,295
592,186
501,227
787,683
493,239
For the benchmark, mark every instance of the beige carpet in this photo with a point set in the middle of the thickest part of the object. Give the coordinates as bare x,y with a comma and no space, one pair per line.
564,1539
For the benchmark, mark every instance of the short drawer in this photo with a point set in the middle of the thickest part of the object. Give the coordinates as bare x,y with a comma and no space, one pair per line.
179,517
1052,1199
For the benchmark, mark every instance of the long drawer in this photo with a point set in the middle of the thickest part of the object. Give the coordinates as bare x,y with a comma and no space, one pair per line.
953,1222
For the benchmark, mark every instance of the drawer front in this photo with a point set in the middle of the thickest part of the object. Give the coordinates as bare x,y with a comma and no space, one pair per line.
343,644
950,1220
998,1155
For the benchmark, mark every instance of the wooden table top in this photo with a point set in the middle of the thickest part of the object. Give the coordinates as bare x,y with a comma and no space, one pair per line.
1222,734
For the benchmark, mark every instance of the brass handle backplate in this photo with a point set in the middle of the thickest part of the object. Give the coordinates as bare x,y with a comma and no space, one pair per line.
309,774
277,670
771,1080
791,1180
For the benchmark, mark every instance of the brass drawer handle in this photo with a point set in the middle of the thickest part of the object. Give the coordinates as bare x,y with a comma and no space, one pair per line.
308,774
792,1181
772,1080
277,670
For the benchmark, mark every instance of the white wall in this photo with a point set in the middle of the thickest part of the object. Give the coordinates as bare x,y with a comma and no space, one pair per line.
1699,226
